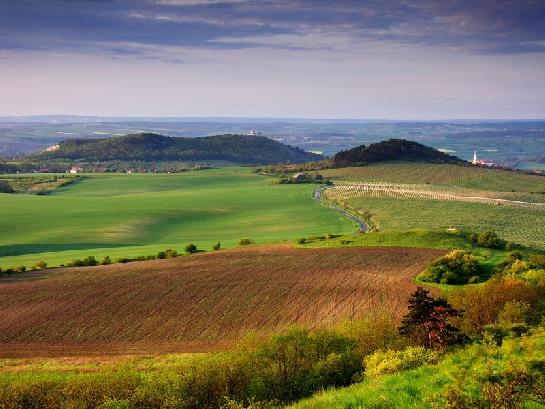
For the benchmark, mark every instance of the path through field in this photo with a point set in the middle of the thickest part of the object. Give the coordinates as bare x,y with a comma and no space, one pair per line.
201,302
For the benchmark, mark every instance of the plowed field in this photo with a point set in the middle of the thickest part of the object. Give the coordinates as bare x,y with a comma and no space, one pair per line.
201,302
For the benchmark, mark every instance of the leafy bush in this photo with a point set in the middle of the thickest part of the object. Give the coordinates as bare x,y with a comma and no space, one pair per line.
385,362
456,267
41,264
5,187
88,261
106,260
482,304
216,246
170,253
302,240
489,239
245,241
190,248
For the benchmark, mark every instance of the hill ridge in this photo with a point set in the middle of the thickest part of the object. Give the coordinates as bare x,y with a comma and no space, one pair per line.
149,146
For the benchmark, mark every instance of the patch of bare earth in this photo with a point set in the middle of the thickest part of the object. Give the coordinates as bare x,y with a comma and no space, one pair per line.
202,302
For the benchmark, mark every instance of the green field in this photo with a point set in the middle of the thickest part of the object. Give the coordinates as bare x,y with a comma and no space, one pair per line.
127,215
519,225
441,174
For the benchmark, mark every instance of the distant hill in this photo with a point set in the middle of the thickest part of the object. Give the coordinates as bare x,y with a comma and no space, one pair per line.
148,147
392,150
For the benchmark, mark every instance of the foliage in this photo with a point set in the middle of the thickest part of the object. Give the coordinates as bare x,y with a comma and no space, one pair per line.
479,376
390,361
245,241
456,267
190,248
427,322
150,147
482,305
5,187
216,246
488,239
88,261
390,150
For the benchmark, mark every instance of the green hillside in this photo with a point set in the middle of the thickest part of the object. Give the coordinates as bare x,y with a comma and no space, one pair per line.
149,147
123,215
392,149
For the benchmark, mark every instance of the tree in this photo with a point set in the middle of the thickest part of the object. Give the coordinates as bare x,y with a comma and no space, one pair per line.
191,248
427,324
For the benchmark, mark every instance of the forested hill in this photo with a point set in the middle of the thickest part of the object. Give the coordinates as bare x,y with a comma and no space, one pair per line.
392,150
241,149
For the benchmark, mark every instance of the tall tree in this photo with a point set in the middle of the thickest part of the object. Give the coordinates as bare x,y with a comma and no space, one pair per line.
427,323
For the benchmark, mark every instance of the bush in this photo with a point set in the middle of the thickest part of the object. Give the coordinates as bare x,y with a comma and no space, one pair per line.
41,264
106,260
170,253
245,241
88,261
5,187
386,362
191,248
482,304
457,267
302,240
491,240
216,246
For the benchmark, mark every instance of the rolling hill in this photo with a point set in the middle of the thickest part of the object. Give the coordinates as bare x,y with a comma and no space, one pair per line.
392,150
200,302
148,147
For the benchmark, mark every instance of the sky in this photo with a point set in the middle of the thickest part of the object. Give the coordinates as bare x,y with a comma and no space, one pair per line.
408,59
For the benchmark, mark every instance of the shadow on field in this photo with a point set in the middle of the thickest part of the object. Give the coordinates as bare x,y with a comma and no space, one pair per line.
20,249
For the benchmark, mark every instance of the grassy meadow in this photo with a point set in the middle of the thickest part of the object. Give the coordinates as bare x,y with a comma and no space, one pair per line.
126,215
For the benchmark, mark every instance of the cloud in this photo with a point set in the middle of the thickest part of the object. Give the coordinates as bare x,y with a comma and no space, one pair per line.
478,26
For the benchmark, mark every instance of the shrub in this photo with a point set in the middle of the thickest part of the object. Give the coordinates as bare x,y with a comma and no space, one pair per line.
302,240
161,255
191,248
245,241
5,187
514,312
538,260
216,246
88,261
491,240
106,260
456,267
483,304
41,264
385,362
19,269
170,253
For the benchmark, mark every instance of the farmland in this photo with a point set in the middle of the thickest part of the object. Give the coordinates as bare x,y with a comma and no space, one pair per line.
128,215
470,177
399,197
200,302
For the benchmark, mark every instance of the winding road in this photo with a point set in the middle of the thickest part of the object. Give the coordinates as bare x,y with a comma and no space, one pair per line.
317,195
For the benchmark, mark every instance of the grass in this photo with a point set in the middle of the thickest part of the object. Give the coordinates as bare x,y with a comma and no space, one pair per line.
126,215
466,370
519,225
200,302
